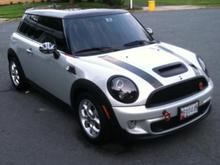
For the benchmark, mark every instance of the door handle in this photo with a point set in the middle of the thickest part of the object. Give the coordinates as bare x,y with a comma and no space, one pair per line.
29,51
71,69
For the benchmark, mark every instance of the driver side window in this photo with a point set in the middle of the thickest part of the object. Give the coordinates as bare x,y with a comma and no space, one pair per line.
47,38
53,32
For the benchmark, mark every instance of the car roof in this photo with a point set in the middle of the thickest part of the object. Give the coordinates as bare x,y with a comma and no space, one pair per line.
74,13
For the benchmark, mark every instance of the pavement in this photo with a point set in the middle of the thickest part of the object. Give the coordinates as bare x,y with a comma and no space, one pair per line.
37,129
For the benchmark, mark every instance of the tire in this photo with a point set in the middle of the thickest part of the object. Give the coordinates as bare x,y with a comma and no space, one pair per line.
92,120
16,74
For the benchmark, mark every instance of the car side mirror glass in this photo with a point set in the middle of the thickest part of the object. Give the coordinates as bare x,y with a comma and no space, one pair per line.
47,48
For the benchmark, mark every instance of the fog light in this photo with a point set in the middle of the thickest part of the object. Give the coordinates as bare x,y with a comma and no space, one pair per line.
132,124
166,115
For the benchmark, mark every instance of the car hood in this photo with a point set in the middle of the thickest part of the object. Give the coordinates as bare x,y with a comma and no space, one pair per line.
147,57
138,64
142,61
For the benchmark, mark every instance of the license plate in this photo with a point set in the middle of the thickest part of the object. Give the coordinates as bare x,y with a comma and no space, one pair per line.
188,110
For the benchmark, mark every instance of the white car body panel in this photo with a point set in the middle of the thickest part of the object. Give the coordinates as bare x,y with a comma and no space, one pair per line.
52,75
100,70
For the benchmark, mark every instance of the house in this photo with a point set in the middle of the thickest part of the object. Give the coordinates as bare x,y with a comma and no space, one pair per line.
5,2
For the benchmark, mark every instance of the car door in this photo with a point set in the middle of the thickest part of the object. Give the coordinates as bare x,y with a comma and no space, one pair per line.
43,69
52,72
26,38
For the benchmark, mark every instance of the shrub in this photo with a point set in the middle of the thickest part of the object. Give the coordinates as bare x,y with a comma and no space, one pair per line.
114,2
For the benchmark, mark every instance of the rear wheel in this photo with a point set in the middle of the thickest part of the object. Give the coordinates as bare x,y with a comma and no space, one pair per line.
16,74
91,118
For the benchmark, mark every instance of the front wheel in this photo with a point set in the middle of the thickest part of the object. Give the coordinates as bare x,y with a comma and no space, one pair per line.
91,118
16,74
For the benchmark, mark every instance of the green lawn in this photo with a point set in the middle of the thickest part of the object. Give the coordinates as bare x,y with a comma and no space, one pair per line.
179,2
17,10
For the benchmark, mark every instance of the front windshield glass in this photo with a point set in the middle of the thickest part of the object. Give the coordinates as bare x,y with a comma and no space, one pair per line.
101,34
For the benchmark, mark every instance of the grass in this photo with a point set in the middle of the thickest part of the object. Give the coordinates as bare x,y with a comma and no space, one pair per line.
179,2
17,10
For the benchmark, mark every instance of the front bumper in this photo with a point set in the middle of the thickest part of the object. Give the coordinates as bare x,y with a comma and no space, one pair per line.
150,121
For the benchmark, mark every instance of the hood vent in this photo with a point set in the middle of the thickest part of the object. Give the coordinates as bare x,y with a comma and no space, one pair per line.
172,69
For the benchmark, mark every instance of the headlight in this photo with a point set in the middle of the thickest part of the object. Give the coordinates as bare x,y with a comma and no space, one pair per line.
202,64
122,89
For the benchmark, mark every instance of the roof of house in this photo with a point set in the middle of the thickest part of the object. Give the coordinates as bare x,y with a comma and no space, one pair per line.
74,13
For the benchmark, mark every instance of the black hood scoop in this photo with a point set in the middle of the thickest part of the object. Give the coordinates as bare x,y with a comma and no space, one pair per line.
170,70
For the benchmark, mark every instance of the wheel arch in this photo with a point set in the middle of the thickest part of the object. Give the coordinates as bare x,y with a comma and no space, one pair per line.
83,85
12,54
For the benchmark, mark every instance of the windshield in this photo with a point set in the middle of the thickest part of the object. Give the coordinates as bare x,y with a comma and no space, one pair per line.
101,34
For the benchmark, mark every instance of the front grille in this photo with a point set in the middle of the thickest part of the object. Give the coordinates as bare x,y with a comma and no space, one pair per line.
176,91
163,125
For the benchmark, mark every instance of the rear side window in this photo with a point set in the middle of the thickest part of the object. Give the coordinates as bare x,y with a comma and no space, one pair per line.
44,29
52,23
29,28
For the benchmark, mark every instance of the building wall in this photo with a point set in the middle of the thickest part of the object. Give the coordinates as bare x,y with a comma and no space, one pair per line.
5,2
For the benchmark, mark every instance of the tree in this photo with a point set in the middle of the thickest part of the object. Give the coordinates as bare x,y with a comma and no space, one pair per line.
71,2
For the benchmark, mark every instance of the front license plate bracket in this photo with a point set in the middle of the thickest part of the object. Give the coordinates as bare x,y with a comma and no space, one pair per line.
188,110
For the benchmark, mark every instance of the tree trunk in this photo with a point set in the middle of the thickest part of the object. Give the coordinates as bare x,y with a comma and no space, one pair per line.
71,2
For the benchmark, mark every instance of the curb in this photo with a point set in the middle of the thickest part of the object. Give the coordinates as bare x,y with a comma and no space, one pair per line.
4,20
174,8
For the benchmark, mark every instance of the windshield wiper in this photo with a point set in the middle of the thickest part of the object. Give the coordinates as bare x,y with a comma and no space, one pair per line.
136,43
96,49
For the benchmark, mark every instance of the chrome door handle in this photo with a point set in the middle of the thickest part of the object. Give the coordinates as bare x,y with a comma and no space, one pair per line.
71,69
29,51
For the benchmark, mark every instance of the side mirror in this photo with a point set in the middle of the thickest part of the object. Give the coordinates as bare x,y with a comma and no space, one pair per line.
150,31
49,48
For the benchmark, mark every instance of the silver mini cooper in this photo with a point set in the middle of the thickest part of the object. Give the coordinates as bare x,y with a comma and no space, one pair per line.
110,70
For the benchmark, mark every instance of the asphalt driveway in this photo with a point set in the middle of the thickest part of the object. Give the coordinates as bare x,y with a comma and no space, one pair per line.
37,130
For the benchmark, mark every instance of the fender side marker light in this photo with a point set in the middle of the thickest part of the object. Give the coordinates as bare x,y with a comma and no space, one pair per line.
106,112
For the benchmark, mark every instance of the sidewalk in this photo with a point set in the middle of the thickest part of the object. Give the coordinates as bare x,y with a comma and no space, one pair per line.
2,20
173,8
